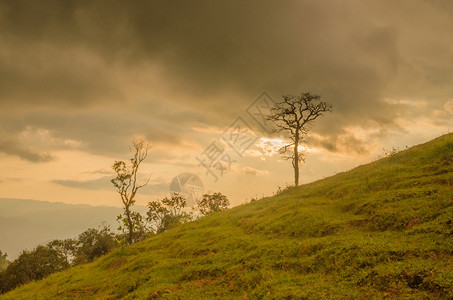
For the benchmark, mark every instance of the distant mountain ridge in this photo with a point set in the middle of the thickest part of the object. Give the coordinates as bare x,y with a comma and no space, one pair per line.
26,223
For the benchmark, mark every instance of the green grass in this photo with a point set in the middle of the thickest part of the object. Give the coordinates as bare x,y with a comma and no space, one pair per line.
381,230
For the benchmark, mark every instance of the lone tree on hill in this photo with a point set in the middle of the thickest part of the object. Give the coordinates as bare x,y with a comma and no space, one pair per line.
126,183
294,115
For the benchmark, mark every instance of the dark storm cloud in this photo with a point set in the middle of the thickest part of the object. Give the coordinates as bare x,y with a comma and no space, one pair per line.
15,148
98,132
345,142
11,144
204,45
214,58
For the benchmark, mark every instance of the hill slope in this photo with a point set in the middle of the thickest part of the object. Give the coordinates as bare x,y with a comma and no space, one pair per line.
383,229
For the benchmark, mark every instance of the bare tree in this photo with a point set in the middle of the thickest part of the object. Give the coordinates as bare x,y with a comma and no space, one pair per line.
294,115
126,182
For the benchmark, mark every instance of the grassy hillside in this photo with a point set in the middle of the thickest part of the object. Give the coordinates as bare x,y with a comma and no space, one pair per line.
380,230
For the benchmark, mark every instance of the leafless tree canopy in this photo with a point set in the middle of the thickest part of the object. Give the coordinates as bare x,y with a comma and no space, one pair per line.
295,115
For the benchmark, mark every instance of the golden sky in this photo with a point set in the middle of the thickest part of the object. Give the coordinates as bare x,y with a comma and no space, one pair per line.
80,79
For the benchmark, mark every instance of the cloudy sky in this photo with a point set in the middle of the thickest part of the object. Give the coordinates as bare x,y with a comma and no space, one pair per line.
80,79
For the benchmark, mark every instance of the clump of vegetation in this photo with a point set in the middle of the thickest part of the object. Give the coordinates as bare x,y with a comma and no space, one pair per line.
281,190
92,244
3,261
392,151
32,265
211,203
140,228
167,213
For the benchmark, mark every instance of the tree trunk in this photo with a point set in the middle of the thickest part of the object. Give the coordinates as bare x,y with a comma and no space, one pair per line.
130,225
296,160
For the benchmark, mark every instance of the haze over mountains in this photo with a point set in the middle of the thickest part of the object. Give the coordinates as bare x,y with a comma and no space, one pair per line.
26,223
